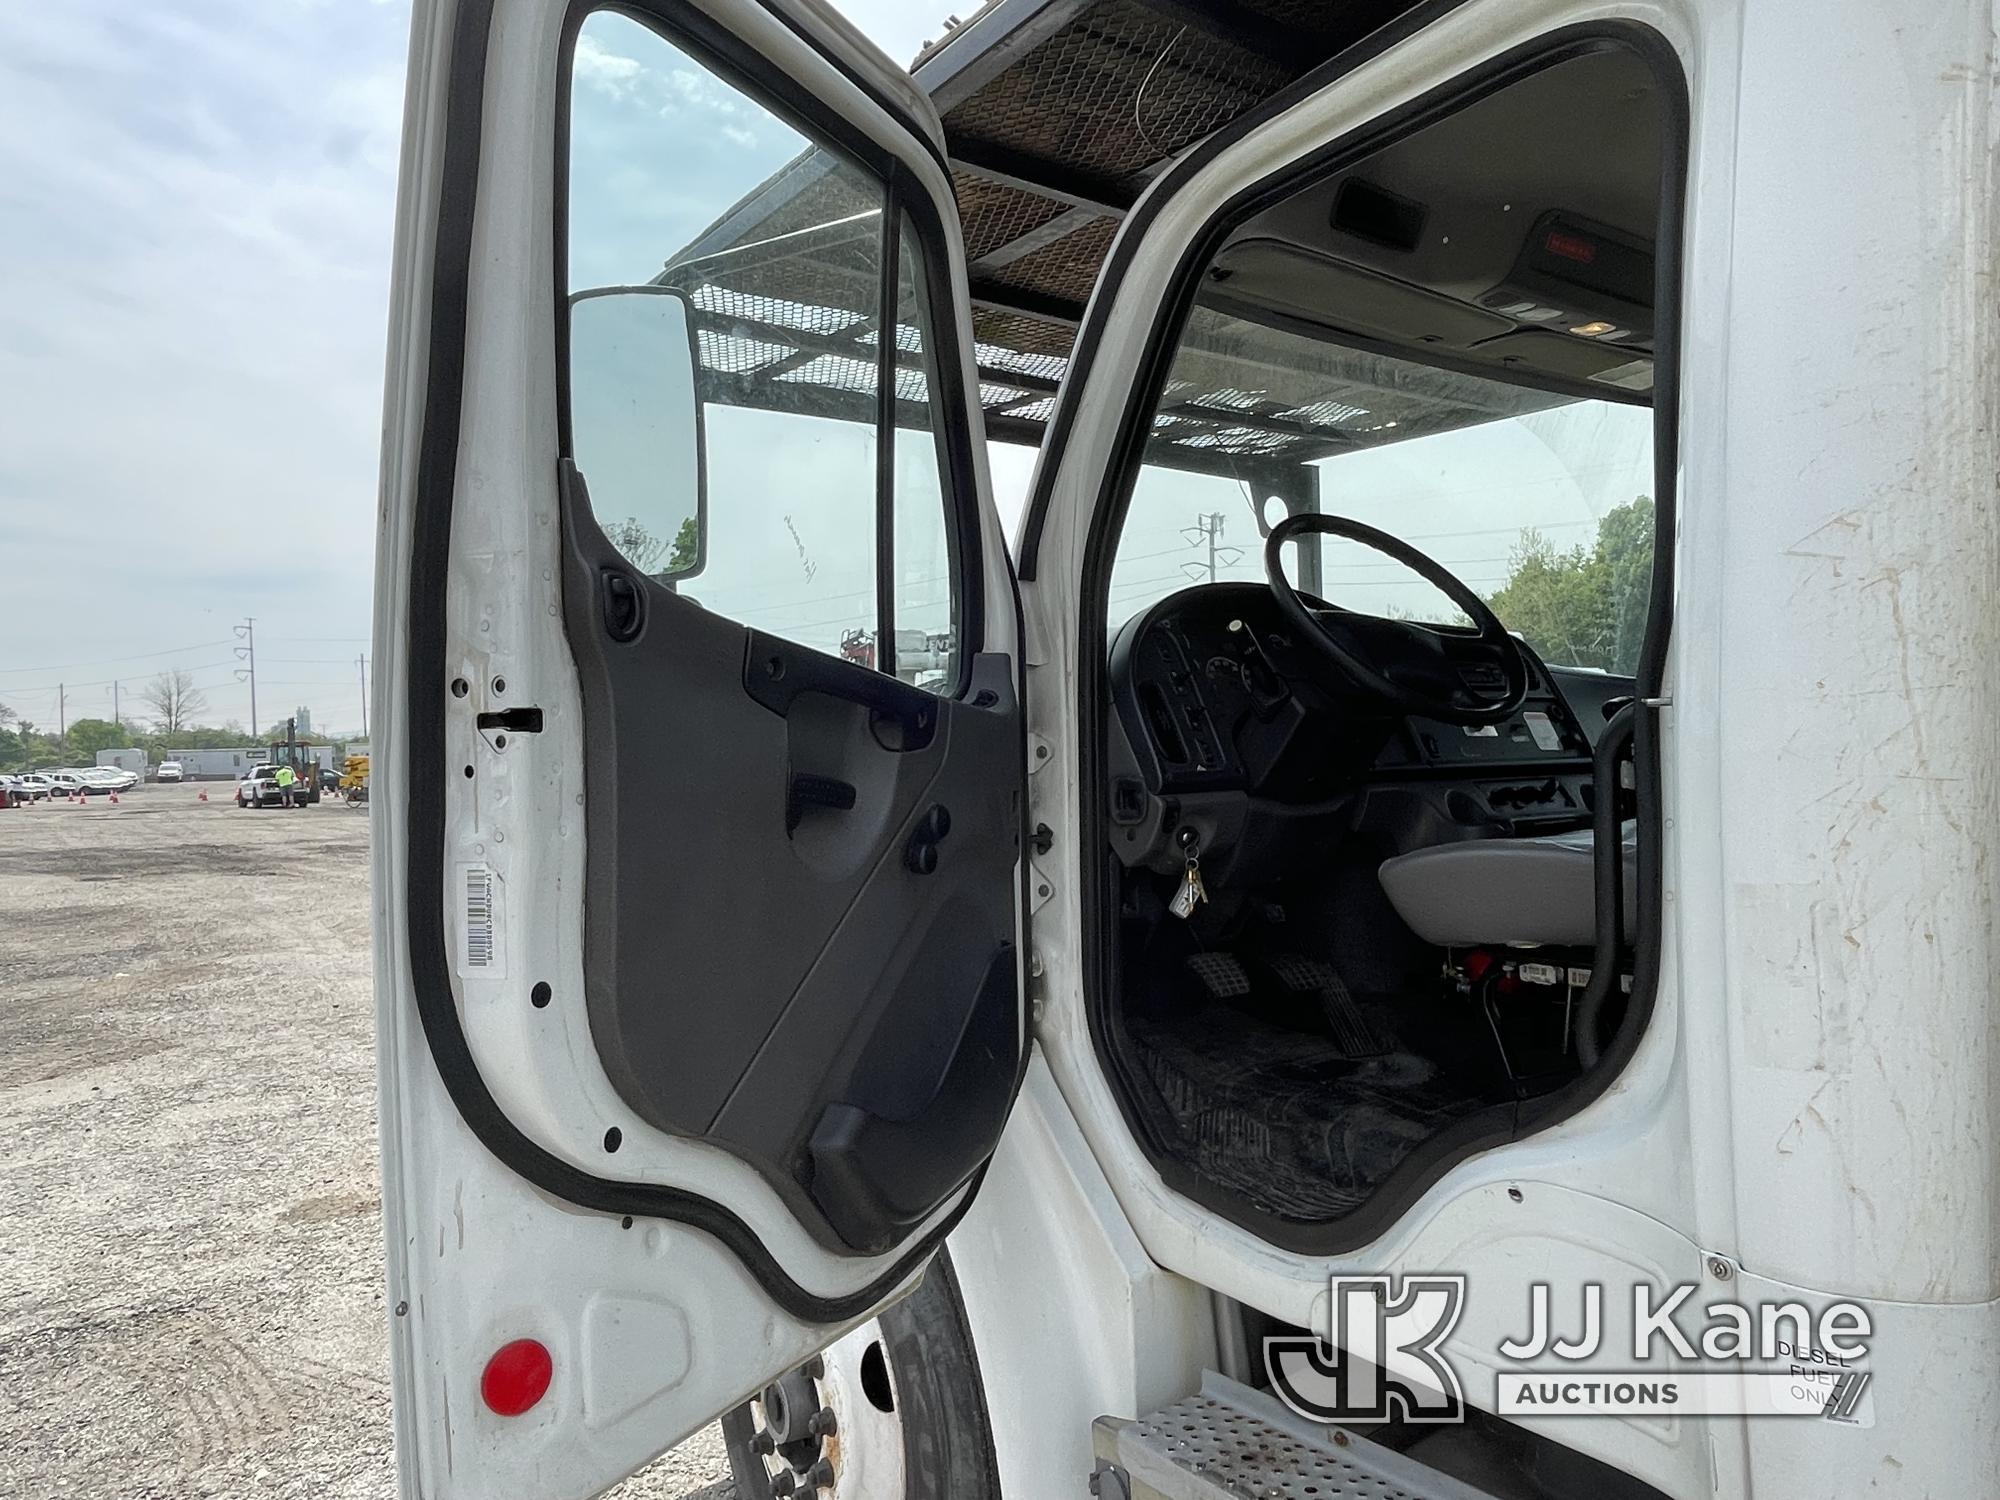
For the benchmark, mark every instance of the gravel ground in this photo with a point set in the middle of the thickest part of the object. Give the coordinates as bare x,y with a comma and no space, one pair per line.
191,1260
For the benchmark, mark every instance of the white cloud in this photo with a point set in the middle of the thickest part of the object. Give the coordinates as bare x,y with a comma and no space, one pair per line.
604,70
198,197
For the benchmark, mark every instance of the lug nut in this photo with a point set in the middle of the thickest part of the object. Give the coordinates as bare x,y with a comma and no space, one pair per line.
784,1485
816,1368
821,1424
763,1442
820,1475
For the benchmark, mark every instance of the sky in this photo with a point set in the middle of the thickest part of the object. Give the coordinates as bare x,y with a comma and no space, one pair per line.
199,195
198,199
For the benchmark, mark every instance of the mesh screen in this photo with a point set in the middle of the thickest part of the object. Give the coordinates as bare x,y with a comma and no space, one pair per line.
1115,91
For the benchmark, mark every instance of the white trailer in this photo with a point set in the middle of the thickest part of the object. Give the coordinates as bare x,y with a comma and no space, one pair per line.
133,760
216,764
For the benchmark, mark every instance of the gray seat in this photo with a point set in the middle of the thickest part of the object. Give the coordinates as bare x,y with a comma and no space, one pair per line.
1532,890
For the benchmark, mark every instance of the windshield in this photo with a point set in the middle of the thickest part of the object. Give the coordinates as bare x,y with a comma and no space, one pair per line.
1539,502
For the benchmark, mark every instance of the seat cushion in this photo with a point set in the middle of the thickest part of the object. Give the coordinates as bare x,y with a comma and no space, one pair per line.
1501,890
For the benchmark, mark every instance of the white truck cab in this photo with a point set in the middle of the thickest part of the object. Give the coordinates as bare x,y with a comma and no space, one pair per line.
1422,927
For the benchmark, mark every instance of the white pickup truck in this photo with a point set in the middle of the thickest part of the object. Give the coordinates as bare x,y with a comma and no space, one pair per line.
1430,930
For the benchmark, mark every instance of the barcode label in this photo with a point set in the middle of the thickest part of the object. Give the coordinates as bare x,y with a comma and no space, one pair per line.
480,951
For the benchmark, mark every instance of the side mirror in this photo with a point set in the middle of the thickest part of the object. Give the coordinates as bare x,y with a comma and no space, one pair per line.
635,423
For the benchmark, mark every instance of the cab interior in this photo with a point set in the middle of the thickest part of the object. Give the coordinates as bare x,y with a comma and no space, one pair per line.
1371,868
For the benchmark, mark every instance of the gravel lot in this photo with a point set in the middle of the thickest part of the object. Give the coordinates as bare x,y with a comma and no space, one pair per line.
191,1264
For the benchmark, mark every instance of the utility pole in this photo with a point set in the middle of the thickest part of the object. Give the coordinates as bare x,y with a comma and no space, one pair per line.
114,702
247,652
62,714
362,662
1208,529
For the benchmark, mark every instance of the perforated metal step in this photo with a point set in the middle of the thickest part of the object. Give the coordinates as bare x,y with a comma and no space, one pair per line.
1233,1443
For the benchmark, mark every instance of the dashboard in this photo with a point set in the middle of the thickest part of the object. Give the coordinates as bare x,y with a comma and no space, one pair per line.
1219,705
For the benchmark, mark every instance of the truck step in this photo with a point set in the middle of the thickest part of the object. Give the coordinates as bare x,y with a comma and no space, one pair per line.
1233,1443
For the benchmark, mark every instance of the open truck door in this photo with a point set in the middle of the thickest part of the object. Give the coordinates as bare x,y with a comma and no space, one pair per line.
700,765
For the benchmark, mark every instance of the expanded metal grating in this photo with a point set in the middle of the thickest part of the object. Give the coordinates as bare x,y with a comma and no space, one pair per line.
1255,1458
1066,268
1077,99
1232,1443
993,214
785,285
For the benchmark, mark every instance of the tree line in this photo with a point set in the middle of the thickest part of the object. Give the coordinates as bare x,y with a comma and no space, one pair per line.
1584,606
177,707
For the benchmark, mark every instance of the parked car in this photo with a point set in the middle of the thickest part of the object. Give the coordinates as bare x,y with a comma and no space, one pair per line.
258,787
35,784
70,783
12,792
170,770
112,778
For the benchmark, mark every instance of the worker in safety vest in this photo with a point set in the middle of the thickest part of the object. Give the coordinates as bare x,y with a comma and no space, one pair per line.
286,776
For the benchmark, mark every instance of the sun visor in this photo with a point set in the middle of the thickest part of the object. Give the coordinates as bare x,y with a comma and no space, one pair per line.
1551,353
1288,279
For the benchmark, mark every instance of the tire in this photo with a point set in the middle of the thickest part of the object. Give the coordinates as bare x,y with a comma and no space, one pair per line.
932,1440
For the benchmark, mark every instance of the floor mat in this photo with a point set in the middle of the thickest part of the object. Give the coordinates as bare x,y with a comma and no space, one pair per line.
1285,1117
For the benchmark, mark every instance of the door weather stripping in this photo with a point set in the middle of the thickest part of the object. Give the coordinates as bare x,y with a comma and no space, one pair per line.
1233,1443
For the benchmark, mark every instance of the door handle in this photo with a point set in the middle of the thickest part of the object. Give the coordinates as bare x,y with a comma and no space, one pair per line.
808,790
624,605
776,672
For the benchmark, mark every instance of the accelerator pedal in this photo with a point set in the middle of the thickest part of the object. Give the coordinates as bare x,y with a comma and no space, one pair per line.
1233,1443
1344,1022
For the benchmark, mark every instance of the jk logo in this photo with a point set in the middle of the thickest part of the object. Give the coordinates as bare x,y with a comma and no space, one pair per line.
1384,1363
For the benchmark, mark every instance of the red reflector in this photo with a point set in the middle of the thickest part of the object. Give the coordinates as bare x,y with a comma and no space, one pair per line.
517,1376
1477,962
1570,247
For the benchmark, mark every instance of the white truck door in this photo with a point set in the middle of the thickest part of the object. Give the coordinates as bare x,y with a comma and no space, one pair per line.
699,775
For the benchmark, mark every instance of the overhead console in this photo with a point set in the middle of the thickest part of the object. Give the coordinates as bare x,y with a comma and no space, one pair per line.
1486,235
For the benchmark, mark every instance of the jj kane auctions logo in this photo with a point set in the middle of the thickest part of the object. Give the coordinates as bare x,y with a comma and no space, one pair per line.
1385,1359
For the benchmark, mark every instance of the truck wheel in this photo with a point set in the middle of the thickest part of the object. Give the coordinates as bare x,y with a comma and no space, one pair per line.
908,1412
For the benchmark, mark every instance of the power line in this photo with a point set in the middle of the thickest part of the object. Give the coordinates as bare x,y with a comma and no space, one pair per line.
109,661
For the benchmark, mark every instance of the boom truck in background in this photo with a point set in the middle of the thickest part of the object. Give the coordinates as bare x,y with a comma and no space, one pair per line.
1487,994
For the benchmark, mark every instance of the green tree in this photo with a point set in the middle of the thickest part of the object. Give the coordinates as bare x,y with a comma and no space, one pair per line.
88,736
26,748
1584,607
642,549
687,547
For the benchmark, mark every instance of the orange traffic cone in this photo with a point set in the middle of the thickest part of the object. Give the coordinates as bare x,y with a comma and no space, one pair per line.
114,799
201,796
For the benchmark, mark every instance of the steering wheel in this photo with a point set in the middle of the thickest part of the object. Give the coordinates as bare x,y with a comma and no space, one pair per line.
1424,678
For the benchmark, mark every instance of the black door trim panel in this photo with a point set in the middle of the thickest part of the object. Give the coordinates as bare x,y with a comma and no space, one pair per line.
426,640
